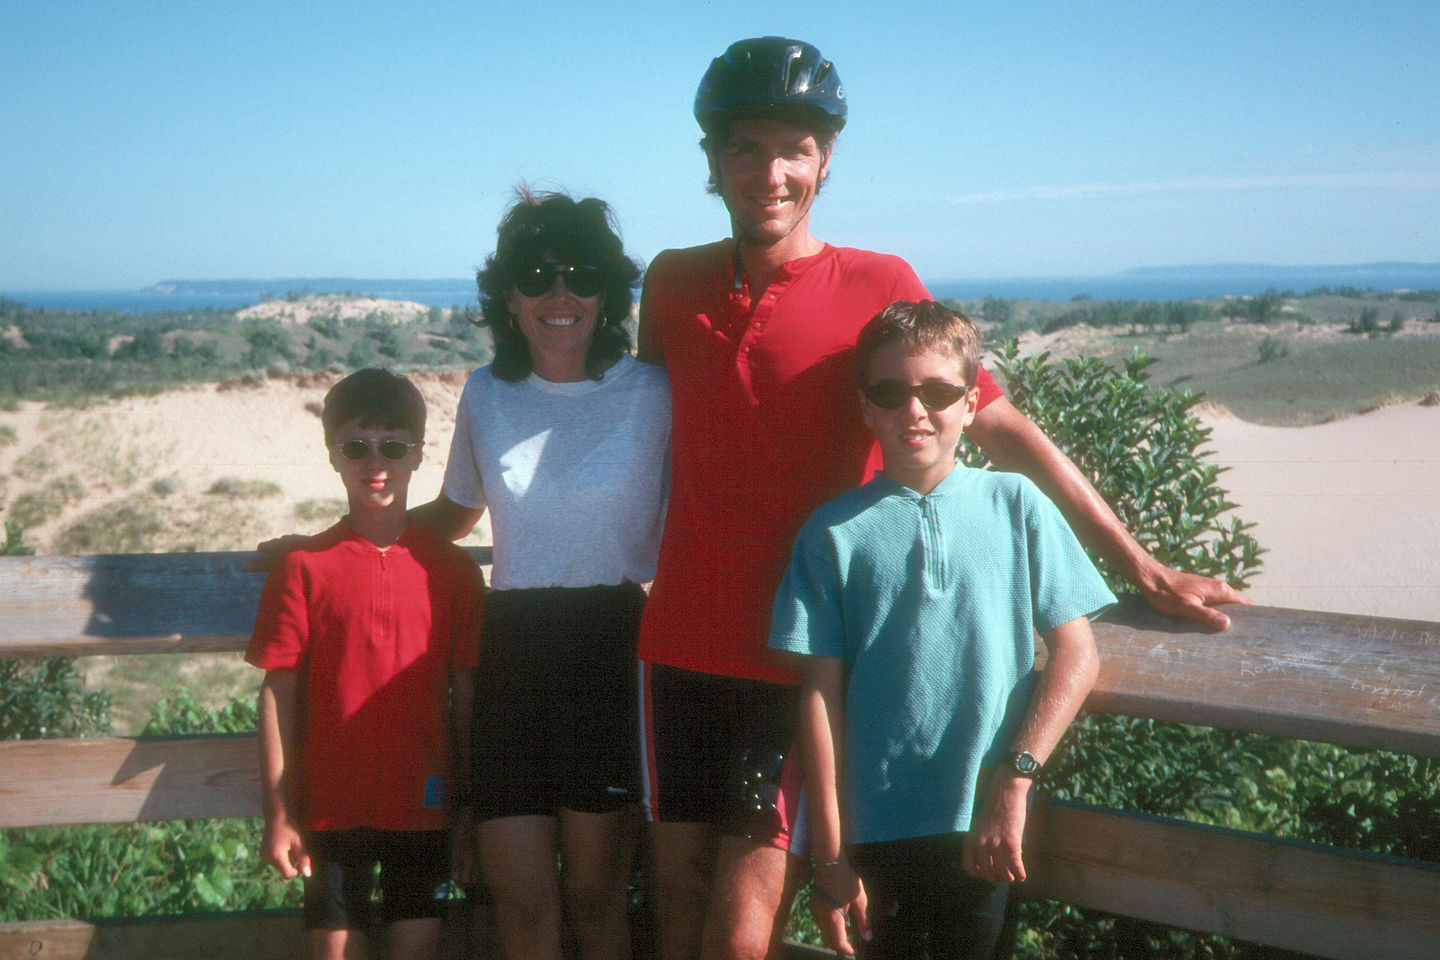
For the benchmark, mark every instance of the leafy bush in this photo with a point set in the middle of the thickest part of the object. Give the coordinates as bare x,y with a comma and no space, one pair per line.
1144,452
1273,349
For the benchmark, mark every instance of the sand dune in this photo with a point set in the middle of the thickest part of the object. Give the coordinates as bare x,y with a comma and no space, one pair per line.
1349,511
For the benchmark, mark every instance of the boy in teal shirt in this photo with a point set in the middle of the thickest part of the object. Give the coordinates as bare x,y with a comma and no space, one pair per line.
916,599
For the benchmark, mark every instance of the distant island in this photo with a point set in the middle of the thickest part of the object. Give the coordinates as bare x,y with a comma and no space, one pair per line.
282,286
1321,274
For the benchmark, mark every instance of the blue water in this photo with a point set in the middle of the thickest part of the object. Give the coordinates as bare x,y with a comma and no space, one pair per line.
462,294
1178,283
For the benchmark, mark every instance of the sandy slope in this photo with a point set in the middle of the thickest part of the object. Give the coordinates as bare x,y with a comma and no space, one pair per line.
1349,510
150,464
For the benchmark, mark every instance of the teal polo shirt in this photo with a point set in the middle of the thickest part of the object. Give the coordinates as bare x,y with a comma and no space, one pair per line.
933,602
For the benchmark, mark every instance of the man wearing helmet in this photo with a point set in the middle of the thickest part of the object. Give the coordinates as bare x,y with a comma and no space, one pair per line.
758,332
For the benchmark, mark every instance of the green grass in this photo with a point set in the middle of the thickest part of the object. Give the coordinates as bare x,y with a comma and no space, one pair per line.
1320,382
1313,381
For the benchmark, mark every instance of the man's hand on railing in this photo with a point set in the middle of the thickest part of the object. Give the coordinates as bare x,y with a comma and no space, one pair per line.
1188,596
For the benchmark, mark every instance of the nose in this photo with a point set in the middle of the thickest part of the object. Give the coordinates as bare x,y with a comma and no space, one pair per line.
775,171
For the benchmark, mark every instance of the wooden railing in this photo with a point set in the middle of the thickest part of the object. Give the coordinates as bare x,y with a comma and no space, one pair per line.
1354,681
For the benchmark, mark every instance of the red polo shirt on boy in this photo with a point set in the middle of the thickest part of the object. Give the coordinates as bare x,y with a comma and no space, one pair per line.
766,428
375,635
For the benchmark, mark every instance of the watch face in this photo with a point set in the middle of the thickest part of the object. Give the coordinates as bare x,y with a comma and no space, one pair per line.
1025,763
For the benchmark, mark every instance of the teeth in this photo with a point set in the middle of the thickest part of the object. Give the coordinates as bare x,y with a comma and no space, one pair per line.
561,321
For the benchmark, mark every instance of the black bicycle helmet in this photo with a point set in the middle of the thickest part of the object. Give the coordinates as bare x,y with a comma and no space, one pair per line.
770,77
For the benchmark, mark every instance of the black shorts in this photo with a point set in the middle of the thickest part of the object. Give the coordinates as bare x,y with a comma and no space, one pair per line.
556,703
414,876
718,750
921,902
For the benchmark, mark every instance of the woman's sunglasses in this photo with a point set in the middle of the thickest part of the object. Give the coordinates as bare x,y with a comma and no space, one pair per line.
932,394
582,279
391,450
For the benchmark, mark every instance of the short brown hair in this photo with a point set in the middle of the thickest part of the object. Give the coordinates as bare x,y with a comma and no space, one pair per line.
920,325
377,398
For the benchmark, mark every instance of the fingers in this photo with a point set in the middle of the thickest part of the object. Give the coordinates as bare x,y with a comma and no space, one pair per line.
860,913
261,562
1193,598
994,859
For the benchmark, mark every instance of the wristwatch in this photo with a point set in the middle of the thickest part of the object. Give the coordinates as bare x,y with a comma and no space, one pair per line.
1024,763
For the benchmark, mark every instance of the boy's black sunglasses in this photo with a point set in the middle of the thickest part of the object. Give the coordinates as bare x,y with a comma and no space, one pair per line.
894,394
581,279
391,450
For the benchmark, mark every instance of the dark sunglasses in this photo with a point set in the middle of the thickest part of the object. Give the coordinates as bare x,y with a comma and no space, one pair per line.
582,279
360,449
933,394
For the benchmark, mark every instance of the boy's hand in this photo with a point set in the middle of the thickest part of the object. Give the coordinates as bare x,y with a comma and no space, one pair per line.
272,550
284,848
993,844
837,895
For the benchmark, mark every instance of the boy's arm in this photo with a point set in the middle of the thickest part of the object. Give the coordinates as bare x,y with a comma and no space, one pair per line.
283,846
993,844
462,844
835,891
1014,443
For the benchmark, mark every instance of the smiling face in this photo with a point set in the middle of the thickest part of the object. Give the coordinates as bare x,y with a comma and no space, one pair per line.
558,325
373,483
918,444
768,172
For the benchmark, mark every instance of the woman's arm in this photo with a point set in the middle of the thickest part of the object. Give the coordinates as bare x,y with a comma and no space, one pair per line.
1013,442
445,518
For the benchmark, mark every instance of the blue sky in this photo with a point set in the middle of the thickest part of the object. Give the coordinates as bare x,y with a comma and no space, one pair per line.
155,140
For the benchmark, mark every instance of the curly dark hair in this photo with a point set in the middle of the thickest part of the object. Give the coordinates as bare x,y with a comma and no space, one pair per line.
555,225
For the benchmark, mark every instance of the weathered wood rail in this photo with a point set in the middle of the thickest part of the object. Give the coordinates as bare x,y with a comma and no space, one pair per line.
1360,682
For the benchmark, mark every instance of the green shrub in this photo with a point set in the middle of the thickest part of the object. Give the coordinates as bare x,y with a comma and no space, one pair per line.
239,489
1144,452
1273,349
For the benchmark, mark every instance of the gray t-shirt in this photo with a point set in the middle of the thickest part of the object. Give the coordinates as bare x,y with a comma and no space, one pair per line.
575,475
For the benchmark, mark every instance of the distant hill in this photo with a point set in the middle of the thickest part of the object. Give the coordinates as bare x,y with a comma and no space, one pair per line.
307,285
1369,273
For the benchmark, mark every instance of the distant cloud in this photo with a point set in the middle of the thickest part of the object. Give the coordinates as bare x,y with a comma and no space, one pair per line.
1391,180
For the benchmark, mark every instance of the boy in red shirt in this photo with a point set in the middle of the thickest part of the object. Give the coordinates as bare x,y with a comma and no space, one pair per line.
367,633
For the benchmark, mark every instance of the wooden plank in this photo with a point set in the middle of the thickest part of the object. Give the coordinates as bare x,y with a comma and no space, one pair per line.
130,603
126,779
1318,900
262,935
1356,681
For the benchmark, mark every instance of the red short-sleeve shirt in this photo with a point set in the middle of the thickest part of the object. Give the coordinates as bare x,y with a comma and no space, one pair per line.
766,428
375,635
